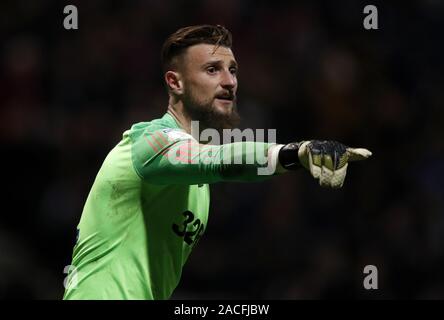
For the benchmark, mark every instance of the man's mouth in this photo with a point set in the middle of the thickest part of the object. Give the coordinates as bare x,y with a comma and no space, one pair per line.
228,97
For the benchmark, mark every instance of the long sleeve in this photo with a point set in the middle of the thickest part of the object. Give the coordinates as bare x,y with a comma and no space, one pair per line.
174,157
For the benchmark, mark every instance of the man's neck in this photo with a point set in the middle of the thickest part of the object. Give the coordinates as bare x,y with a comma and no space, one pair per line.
177,111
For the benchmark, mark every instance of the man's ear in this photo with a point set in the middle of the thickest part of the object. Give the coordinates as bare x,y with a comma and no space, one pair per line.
174,82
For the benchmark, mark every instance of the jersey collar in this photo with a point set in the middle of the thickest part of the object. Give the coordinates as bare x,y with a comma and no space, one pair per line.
171,121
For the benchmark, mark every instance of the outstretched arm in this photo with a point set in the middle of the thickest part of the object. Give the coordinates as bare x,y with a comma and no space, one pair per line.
163,158
176,158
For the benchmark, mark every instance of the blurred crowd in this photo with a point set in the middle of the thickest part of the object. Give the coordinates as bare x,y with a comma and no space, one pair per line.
308,69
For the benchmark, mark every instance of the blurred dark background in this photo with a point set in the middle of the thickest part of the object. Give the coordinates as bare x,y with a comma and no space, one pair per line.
308,69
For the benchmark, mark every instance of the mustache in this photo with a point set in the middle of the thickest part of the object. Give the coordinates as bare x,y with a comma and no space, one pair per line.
228,95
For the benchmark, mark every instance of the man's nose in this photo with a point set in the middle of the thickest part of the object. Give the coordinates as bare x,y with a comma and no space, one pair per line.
228,80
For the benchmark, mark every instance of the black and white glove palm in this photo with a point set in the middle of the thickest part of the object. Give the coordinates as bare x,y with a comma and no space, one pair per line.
327,161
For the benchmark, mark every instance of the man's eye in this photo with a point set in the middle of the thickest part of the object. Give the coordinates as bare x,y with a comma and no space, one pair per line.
233,70
211,70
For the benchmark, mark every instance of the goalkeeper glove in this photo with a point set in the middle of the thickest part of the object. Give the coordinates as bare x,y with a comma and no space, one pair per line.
326,160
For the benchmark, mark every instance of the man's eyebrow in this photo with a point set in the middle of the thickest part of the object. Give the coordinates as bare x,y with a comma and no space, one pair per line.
216,62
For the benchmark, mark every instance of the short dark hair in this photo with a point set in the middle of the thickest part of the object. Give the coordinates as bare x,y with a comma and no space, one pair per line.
177,43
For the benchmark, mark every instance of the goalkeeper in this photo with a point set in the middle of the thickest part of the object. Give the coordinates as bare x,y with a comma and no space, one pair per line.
148,206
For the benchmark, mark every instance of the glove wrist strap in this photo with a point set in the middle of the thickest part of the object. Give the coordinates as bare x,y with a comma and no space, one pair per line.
288,156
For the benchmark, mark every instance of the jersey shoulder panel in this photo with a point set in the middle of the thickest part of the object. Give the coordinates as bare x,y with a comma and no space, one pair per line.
150,140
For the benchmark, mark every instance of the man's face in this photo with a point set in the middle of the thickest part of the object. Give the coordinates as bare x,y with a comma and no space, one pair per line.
210,85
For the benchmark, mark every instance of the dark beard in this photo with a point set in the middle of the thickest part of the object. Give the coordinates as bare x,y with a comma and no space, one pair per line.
209,118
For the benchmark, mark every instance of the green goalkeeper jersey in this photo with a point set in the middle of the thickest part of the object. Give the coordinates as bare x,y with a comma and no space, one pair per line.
148,208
